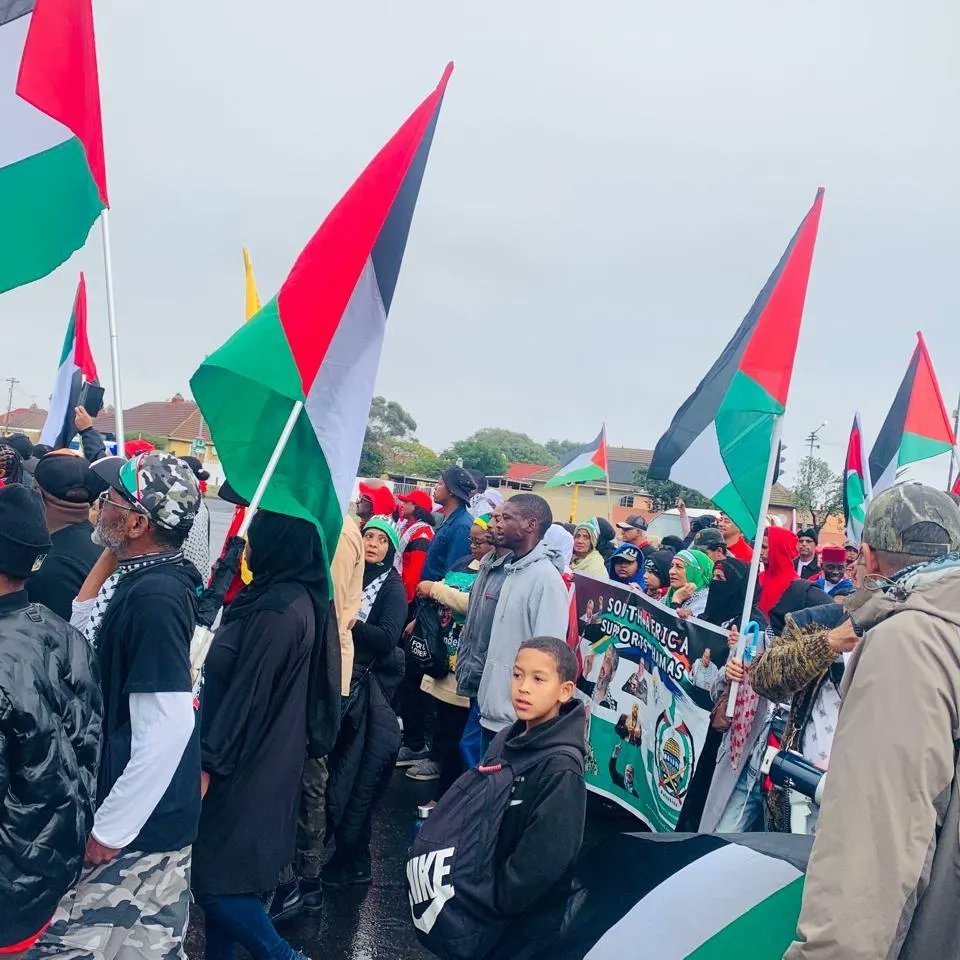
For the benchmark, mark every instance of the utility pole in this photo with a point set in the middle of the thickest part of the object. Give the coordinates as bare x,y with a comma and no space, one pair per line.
953,452
812,441
13,381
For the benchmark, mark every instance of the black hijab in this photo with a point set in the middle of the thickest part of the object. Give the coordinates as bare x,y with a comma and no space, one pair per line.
725,597
286,555
373,570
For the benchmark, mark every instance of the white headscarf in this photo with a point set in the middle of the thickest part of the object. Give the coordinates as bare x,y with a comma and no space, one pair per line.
560,542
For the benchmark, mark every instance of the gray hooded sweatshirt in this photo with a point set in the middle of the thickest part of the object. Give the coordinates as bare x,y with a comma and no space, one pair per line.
510,601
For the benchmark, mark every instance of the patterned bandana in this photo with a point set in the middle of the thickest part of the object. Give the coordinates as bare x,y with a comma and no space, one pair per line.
110,585
370,592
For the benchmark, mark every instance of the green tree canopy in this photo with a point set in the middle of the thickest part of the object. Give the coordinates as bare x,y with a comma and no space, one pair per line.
665,493
413,458
515,447
560,448
818,490
477,455
388,419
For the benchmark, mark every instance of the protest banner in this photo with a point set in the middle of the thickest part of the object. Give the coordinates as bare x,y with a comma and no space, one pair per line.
646,686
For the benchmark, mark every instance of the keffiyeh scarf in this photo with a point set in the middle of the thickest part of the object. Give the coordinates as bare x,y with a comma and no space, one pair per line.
369,595
109,587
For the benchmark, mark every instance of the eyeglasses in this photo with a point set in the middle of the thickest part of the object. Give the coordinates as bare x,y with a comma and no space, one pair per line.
105,498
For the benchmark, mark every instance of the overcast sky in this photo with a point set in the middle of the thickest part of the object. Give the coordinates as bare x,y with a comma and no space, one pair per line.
610,185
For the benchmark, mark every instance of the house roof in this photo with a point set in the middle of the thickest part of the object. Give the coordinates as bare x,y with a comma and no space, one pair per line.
524,471
24,418
177,419
780,496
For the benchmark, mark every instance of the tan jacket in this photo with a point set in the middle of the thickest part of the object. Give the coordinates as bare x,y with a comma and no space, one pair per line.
347,573
883,880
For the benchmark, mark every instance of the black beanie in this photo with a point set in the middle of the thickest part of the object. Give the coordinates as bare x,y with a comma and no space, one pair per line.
23,531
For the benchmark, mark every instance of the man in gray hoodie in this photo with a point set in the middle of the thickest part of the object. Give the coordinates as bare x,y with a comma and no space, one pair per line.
515,597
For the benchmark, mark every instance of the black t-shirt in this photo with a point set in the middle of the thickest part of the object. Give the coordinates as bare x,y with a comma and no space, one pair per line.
60,573
143,646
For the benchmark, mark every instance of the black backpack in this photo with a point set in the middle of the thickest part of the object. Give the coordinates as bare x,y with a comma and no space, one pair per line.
450,865
426,646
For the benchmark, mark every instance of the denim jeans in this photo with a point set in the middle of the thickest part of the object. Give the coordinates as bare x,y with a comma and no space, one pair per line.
744,812
241,919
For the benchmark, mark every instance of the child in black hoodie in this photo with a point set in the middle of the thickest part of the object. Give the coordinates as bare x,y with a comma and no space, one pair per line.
542,830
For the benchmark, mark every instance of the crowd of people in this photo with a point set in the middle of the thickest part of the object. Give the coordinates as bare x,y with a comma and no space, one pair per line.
437,639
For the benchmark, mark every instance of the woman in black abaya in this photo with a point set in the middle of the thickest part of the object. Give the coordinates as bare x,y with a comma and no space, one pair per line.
268,660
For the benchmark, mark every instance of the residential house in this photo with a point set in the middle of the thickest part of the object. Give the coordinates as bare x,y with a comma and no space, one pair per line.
26,420
177,422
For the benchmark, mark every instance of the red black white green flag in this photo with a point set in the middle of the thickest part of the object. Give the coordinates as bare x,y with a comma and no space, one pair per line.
856,482
53,181
318,341
917,426
720,440
582,465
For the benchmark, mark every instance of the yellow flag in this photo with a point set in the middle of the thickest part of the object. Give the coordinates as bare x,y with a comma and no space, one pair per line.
253,300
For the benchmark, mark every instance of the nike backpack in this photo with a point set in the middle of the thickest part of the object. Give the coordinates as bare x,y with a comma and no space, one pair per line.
450,865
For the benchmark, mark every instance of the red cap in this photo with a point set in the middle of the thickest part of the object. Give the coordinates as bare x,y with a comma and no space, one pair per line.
833,554
380,496
419,498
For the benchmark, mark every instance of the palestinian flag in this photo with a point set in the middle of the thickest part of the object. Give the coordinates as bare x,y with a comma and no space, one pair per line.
581,466
917,426
53,182
856,482
318,341
675,897
720,440
76,366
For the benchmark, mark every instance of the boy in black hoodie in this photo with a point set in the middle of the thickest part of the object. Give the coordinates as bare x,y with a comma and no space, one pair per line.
542,830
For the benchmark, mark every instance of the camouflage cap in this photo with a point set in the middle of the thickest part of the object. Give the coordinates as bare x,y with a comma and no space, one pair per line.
894,517
160,484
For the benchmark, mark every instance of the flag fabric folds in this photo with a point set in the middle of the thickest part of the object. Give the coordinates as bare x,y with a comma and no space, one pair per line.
674,897
53,181
76,366
318,341
856,482
917,426
720,440
587,463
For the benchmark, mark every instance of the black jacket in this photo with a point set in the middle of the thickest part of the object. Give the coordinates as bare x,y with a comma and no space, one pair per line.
64,568
369,738
542,830
50,713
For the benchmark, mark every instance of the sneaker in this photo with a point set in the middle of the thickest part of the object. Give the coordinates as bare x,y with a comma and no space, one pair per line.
311,896
286,901
407,757
425,770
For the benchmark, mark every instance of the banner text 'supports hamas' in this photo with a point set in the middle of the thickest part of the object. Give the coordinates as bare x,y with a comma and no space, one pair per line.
646,685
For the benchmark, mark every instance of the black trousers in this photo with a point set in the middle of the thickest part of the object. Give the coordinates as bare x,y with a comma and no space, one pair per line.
451,720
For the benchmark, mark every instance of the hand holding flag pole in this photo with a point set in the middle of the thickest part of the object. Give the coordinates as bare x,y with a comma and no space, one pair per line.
755,560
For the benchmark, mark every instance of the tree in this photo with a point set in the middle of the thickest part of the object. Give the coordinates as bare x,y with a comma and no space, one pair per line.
665,493
560,448
372,462
388,419
413,458
818,490
477,455
516,447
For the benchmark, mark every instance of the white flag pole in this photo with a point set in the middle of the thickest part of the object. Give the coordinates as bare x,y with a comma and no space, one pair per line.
755,561
203,636
114,343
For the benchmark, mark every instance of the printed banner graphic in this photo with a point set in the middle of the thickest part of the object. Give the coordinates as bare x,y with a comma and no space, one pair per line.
646,681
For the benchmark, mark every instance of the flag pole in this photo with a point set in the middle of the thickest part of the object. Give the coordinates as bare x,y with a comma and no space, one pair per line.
607,472
114,343
755,560
203,634
573,502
